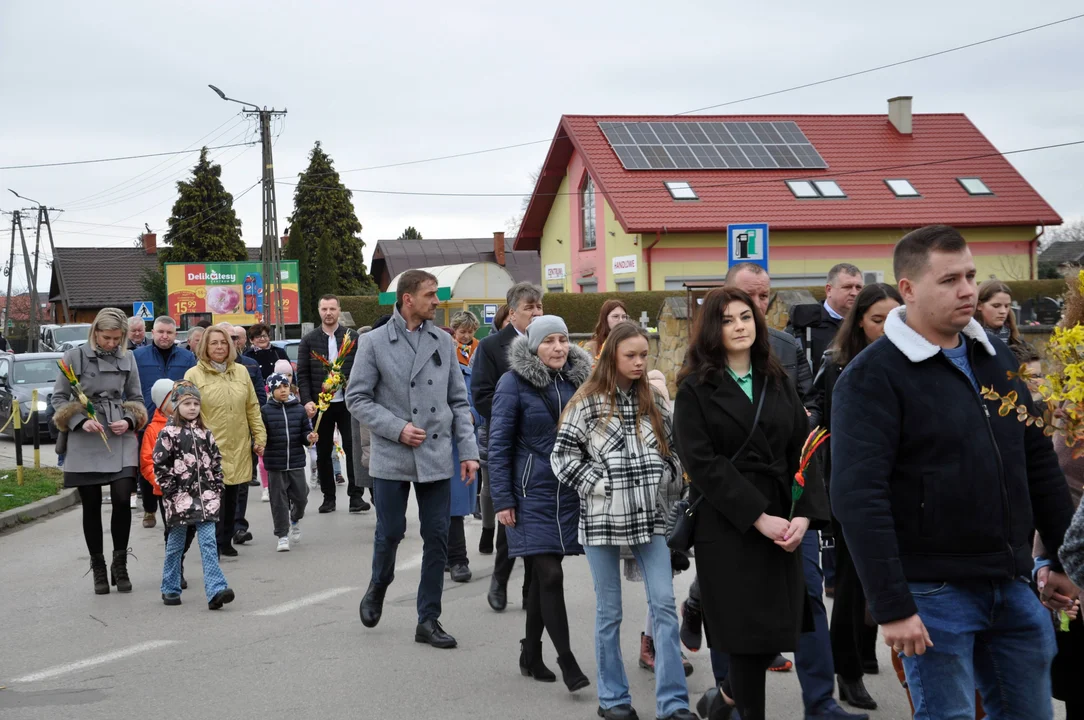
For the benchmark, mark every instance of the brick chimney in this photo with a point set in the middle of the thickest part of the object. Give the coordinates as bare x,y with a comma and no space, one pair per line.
498,247
899,114
150,243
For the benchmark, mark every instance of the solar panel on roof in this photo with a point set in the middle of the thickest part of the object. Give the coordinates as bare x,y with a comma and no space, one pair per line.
711,145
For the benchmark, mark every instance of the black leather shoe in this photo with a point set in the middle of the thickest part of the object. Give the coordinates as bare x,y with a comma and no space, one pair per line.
498,595
171,599
712,706
432,633
618,712
358,505
223,598
460,573
327,507
691,625
853,692
241,537
372,605
227,550
680,714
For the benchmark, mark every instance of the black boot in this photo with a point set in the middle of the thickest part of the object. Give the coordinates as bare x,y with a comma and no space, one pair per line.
118,571
530,662
485,542
691,623
372,605
101,580
571,674
853,692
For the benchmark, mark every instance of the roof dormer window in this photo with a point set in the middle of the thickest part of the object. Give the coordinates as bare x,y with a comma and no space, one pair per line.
974,186
681,190
902,188
812,189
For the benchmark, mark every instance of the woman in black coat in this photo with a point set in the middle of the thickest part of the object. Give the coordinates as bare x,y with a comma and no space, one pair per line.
540,516
747,558
853,639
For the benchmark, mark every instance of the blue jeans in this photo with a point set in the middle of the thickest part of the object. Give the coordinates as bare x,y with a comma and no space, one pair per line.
813,660
214,581
996,637
671,693
434,505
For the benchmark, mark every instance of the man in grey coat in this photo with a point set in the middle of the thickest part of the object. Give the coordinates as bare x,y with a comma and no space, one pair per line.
407,388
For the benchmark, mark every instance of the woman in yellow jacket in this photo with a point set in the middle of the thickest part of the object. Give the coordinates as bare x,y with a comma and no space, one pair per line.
232,413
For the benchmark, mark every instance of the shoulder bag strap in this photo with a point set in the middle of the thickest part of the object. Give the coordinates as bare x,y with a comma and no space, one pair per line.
741,449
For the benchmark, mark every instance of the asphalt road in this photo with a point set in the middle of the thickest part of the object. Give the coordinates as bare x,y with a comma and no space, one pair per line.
7,454
291,646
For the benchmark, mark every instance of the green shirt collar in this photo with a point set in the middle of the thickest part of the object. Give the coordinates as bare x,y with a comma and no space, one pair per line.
745,382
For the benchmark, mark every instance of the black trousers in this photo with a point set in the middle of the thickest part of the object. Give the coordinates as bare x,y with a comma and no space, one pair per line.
120,519
853,641
746,679
227,517
336,416
150,500
457,543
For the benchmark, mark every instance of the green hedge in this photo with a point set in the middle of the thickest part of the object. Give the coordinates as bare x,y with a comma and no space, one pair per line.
580,310
365,309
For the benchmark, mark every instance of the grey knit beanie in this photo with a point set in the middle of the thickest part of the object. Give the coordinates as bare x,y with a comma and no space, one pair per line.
543,326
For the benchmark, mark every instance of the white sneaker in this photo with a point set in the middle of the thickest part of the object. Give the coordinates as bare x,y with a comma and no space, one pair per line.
284,545
295,532
133,501
266,495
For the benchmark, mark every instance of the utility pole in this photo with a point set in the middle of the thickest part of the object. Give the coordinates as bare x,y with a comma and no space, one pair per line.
271,253
10,270
43,217
35,305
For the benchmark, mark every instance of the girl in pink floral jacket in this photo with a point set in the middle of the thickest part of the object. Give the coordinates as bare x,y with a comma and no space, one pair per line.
188,467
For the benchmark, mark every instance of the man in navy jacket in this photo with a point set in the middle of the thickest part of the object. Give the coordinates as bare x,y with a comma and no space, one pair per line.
938,496
160,359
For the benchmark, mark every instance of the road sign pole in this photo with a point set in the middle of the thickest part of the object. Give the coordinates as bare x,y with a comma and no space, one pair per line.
34,433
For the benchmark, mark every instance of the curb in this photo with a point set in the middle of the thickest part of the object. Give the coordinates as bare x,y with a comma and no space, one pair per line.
38,509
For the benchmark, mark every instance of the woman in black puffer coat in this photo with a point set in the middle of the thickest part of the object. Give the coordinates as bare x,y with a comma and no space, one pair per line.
540,517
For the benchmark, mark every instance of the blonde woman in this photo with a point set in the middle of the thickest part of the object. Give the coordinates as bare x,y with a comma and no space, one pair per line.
108,375
232,413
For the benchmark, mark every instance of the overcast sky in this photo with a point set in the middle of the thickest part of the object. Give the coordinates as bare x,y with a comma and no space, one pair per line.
381,83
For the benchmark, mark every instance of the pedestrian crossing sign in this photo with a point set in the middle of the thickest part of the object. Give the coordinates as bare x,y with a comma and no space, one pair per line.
143,310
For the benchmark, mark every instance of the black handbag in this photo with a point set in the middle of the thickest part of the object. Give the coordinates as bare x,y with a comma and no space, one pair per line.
682,520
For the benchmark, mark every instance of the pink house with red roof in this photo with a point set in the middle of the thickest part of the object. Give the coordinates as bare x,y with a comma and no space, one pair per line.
628,203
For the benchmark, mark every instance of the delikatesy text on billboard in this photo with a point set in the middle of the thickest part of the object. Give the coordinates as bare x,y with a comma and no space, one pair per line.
236,293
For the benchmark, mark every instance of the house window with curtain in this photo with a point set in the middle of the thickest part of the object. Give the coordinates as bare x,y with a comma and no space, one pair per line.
587,203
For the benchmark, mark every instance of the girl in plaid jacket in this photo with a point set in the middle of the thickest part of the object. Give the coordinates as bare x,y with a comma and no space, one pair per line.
614,448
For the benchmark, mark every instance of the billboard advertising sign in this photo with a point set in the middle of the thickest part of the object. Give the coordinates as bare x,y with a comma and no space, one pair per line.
231,292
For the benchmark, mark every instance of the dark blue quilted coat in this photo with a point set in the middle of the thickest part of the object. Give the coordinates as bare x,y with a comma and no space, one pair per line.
521,438
288,428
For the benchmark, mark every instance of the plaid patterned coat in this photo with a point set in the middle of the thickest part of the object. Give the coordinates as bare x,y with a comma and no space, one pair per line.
626,486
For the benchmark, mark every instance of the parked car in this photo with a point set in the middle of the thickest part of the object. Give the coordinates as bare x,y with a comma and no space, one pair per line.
291,347
66,346
56,335
20,375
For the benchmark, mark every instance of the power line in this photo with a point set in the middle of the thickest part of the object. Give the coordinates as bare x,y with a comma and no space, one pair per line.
927,56
115,159
740,100
743,183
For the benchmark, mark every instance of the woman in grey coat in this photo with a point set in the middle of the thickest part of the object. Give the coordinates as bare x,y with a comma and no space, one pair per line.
108,376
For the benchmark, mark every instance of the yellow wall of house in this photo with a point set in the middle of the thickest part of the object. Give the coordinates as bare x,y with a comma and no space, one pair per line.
619,244
558,227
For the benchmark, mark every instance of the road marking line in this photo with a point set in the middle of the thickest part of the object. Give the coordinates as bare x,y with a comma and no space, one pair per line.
302,602
414,562
91,662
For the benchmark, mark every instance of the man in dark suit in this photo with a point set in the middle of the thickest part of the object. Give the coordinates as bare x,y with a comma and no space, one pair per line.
327,340
816,325
524,304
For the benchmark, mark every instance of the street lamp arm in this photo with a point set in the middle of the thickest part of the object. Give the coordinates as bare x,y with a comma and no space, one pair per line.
21,197
240,102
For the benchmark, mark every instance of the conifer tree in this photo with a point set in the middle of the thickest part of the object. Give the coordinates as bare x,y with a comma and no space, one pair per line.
203,226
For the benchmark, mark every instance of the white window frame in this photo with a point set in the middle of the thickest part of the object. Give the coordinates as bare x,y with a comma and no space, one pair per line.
680,190
589,241
914,193
816,189
831,195
985,188
802,189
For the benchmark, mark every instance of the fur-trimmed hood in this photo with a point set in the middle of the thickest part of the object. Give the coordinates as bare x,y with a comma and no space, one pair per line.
527,365
917,348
